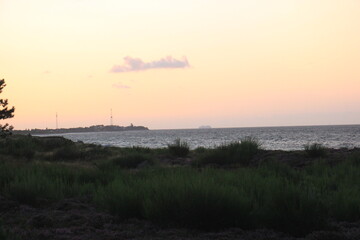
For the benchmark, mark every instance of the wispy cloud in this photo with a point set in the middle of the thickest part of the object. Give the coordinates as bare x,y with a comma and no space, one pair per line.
136,64
120,86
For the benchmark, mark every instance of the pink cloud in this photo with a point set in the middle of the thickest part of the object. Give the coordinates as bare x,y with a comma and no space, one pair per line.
120,86
136,64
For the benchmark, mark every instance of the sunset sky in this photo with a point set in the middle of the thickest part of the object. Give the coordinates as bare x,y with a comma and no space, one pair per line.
181,64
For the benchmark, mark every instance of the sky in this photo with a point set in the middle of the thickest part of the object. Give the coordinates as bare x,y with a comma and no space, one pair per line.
170,64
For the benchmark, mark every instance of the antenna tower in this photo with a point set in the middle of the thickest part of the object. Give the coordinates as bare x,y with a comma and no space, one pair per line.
56,121
111,117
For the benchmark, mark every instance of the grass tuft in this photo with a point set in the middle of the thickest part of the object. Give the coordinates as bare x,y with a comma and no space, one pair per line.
133,160
271,195
315,150
68,152
232,153
179,148
22,146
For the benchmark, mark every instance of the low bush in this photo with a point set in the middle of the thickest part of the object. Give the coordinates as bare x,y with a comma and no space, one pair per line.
315,150
272,195
31,189
53,142
92,151
121,199
19,146
179,148
200,150
195,202
68,152
133,160
136,149
235,152
215,199
290,208
38,184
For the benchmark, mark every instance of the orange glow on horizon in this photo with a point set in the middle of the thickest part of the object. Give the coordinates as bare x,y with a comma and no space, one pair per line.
251,63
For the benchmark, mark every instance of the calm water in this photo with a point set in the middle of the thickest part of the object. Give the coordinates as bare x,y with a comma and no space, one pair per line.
285,138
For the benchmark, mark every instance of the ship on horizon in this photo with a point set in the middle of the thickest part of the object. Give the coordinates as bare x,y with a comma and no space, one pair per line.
205,127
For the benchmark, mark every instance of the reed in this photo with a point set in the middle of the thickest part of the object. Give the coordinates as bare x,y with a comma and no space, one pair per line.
232,153
179,148
272,195
315,150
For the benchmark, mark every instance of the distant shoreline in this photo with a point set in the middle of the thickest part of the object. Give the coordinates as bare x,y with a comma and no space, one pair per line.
96,128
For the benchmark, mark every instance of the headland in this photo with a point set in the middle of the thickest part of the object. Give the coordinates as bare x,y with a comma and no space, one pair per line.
94,128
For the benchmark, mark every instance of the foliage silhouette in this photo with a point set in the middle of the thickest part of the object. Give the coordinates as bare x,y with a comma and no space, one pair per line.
5,113
179,148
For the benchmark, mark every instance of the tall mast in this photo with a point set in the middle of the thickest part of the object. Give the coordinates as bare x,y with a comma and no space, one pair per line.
56,121
111,117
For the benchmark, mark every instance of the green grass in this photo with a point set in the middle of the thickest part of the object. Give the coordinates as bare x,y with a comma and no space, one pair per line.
20,147
133,160
200,201
35,184
67,153
215,199
179,148
50,148
315,150
272,195
232,153
3,234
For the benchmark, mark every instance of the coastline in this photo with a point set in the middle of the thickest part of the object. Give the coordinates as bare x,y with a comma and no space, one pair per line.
95,128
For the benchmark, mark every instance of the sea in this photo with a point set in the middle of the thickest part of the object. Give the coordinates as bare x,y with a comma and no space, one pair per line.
271,138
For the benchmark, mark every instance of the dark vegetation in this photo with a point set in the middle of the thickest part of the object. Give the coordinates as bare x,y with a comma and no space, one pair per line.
179,148
315,150
5,113
232,153
232,185
133,160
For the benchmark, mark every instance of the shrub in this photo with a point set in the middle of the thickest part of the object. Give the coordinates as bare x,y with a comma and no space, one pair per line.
31,189
344,204
179,148
213,199
68,152
136,149
200,150
34,184
179,197
19,146
93,151
235,152
120,199
133,160
196,202
53,142
315,150
290,208
272,195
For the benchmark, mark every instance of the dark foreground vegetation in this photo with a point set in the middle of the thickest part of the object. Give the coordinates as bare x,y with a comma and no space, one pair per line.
120,193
